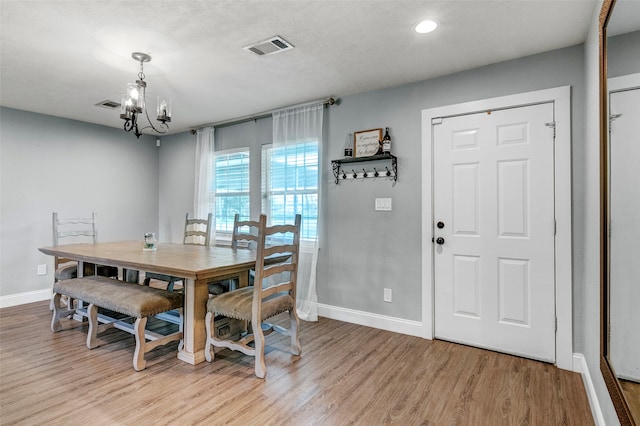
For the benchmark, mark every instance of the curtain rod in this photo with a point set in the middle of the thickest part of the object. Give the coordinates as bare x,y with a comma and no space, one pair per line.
326,102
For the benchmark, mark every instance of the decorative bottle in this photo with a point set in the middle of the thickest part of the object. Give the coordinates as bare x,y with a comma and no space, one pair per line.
348,147
386,142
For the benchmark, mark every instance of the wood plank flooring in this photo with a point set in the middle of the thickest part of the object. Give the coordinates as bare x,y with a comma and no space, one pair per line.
631,391
347,375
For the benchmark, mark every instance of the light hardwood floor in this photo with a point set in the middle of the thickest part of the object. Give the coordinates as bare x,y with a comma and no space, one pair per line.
347,375
631,391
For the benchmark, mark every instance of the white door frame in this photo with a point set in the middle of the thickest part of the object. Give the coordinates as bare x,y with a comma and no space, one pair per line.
623,82
561,97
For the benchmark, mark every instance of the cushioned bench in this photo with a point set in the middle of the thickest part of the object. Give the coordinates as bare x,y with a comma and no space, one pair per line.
132,300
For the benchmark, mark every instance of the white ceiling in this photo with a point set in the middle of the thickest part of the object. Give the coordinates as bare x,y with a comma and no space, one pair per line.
62,57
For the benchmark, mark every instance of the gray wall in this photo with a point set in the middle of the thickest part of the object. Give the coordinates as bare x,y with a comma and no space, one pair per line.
623,54
51,164
176,180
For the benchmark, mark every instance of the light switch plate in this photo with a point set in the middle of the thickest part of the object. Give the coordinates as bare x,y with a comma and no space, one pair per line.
42,269
388,295
383,204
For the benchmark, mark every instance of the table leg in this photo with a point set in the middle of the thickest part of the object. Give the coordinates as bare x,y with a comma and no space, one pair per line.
243,279
130,275
196,295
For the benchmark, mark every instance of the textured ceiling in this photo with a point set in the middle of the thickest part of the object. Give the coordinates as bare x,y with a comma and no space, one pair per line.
62,57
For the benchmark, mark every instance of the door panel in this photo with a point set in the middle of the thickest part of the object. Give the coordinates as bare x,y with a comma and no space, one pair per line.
513,187
465,199
513,285
494,267
466,285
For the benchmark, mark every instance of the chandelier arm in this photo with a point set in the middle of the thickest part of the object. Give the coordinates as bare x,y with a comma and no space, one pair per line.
146,112
160,131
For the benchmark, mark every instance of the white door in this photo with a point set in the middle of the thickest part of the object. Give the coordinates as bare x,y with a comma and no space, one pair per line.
624,201
493,204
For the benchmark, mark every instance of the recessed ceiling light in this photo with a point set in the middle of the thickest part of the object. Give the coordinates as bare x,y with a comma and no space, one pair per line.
426,27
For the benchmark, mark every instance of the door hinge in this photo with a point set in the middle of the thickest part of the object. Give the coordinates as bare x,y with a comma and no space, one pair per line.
437,120
552,124
614,117
556,324
555,227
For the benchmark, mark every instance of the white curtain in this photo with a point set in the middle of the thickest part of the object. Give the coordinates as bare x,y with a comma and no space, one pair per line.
203,197
293,126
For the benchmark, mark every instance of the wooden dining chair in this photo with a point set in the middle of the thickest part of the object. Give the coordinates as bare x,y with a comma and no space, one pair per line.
245,233
196,232
243,236
74,231
273,292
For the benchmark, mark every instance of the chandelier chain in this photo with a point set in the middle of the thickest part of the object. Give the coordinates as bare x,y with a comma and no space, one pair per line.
141,73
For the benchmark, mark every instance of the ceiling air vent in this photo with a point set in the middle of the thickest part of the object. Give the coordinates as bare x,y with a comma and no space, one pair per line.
108,104
267,47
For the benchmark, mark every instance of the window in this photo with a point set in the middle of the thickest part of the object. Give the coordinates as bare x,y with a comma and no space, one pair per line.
290,185
231,187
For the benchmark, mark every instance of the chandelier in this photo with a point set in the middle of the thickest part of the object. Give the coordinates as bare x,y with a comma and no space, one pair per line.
134,103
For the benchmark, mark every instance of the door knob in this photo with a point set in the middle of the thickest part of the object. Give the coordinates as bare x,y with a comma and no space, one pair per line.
440,225
440,240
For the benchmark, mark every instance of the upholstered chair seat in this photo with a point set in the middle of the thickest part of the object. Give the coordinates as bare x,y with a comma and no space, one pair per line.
237,304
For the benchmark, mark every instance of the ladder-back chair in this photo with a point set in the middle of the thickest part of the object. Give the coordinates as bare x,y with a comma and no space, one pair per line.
74,231
244,236
196,232
273,292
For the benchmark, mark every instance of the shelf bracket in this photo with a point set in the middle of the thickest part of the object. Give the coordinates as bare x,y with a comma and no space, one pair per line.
337,166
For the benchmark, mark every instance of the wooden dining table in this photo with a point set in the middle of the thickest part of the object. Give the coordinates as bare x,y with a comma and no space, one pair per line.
198,266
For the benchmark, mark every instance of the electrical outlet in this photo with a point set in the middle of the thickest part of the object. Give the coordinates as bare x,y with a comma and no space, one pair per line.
42,269
383,204
387,295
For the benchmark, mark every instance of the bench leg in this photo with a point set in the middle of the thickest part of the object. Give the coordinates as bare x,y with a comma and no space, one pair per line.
92,313
209,353
95,327
139,363
58,313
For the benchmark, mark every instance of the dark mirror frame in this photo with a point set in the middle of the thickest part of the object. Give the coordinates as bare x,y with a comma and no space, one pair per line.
615,391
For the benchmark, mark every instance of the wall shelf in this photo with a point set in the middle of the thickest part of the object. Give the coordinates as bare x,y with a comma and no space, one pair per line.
341,170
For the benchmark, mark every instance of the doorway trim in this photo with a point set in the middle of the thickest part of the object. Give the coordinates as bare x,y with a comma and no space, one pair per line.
561,98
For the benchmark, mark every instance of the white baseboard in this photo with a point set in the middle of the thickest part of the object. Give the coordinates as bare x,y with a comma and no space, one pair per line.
383,322
580,366
23,298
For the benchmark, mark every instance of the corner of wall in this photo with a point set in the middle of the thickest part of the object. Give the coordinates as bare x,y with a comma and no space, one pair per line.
580,366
